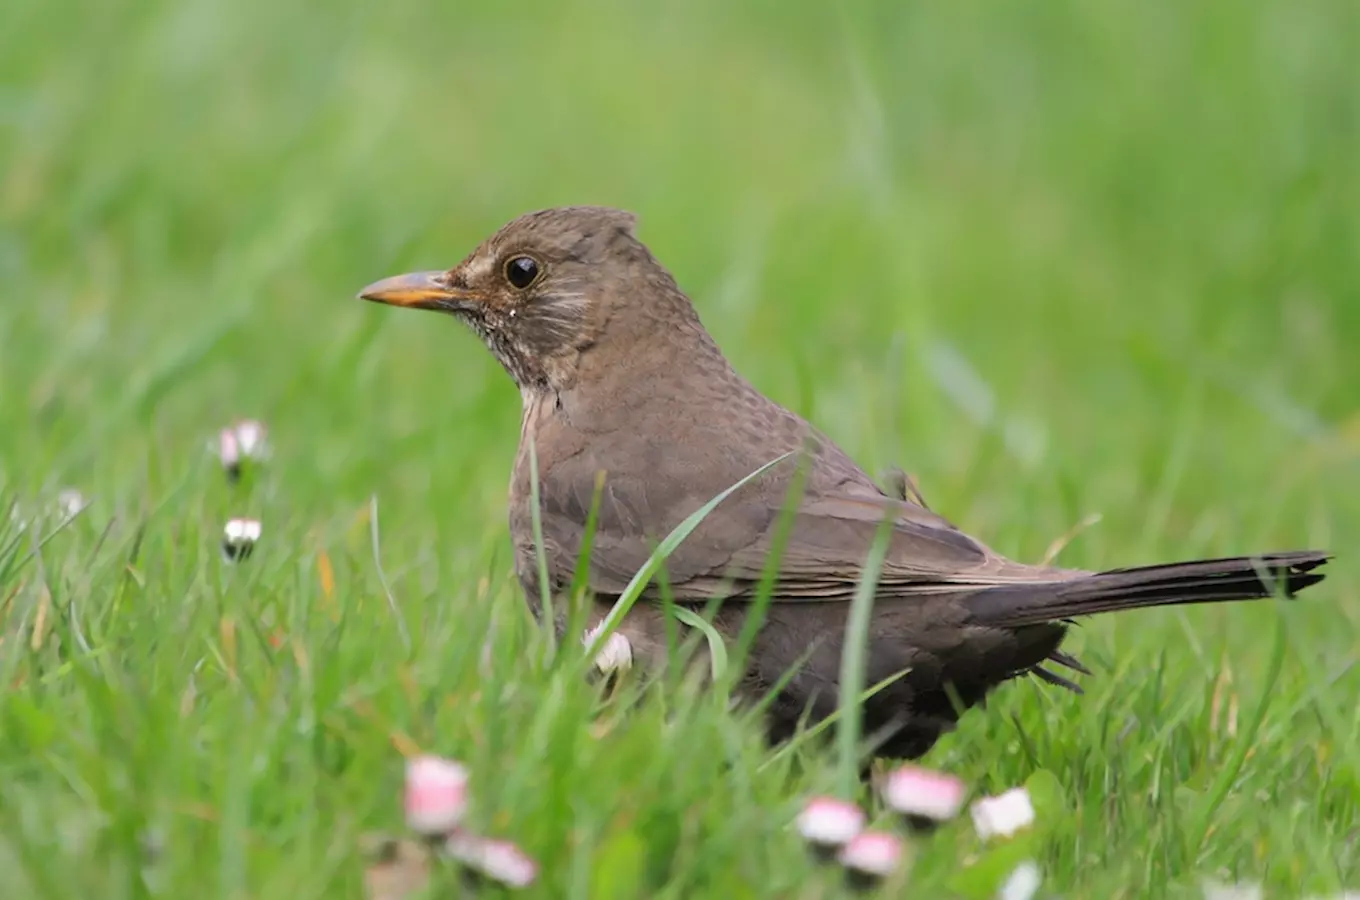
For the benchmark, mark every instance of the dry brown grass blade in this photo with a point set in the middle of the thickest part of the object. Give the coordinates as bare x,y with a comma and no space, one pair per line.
396,868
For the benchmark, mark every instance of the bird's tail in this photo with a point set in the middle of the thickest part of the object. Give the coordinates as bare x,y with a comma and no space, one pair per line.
1204,581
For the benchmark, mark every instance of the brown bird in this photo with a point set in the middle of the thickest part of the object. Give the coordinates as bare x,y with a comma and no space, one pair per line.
618,376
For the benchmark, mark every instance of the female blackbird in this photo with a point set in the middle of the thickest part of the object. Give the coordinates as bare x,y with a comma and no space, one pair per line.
619,377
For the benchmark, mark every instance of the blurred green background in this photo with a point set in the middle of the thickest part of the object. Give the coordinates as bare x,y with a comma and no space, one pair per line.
1056,259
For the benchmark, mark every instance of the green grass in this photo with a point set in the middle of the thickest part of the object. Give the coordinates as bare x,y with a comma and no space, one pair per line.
1056,259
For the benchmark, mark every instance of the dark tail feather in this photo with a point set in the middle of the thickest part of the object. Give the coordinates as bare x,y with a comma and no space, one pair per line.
1205,581
1053,678
1070,662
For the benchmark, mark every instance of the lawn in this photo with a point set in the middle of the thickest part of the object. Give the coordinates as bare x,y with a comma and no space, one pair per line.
1058,260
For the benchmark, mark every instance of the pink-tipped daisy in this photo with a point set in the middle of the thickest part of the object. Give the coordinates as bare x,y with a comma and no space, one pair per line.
436,794
827,824
498,861
1004,814
870,857
240,443
925,797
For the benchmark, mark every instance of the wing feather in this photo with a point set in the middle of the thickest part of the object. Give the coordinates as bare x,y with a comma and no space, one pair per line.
829,539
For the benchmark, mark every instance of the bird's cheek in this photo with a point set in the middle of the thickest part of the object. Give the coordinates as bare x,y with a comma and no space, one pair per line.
479,316
505,322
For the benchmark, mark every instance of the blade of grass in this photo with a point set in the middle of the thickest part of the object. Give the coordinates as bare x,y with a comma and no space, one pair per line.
755,617
817,728
1218,791
717,648
540,553
36,544
854,653
382,576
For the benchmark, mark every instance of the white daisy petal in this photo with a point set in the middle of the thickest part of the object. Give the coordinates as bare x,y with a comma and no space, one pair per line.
1023,882
1214,890
239,537
1003,815
251,437
615,656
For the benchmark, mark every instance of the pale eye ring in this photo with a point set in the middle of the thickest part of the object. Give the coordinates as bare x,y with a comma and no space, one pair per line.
522,271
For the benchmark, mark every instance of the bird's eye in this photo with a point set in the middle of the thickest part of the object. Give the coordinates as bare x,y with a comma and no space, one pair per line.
521,271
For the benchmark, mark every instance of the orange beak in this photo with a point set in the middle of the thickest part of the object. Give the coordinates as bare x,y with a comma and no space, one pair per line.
418,290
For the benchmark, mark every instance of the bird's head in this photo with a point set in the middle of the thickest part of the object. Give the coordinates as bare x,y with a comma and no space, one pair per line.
546,288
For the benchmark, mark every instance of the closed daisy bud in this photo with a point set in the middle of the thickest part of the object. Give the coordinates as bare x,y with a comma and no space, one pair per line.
870,857
498,861
828,824
1003,815
229,453
70,503
436,794
615,656
238,538
1023,883
926,798
17,517
1214,890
